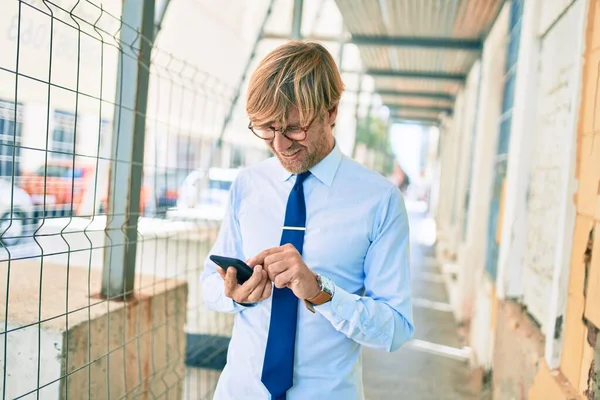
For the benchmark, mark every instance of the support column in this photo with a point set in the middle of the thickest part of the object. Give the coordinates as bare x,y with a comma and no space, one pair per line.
137,35
297,20
476,292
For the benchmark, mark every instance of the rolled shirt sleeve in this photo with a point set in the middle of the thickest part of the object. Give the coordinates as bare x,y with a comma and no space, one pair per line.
381,318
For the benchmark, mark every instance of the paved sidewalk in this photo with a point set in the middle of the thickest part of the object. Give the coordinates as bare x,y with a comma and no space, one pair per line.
412,373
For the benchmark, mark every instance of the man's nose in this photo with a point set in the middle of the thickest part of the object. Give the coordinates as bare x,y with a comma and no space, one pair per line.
280,142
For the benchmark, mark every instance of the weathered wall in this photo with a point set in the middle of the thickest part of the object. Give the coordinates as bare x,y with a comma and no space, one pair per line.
518,350
582,317
555,133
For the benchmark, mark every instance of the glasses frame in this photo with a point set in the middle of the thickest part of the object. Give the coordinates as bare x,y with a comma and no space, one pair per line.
282,131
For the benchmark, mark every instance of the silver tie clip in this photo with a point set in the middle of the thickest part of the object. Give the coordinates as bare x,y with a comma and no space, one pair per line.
294,228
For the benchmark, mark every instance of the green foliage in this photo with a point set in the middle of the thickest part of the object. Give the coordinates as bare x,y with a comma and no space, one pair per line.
373,132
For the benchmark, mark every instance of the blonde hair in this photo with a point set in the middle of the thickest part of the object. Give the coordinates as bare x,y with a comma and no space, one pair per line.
296,74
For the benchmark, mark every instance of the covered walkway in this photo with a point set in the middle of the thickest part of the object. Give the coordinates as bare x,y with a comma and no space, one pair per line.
120,119
436,364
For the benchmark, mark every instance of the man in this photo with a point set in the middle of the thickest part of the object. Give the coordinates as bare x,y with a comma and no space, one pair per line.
327,238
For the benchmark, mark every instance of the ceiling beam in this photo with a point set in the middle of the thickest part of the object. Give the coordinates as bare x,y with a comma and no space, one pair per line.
399,108
440,75
422,95
424,121
414,117
439,43
314,38
423,42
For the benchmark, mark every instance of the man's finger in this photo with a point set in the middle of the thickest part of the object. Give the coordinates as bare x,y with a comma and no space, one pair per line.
283,279
277,268
221,272
260,257
256,294
230,281
251,284
267,289
273,258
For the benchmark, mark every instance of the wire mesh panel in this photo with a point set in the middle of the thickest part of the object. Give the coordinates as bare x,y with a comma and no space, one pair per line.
89,101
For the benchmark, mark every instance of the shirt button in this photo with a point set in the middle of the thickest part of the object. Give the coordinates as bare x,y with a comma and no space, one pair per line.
339,308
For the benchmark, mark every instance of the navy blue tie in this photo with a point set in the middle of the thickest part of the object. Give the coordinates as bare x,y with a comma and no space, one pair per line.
278,368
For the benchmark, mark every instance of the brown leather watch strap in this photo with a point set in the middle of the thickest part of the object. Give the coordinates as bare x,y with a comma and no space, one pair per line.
321,298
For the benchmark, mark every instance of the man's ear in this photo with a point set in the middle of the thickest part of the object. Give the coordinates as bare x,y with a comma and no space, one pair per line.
332,115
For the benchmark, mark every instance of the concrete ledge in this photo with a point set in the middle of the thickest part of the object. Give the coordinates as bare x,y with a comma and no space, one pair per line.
89,347
165,249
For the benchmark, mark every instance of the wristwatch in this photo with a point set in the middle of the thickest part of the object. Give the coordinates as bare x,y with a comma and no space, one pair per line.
325,295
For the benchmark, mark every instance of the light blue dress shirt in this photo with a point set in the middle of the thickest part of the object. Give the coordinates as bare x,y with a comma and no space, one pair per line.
357,235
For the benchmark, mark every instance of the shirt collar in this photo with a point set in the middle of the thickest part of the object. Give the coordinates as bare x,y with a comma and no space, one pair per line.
325,170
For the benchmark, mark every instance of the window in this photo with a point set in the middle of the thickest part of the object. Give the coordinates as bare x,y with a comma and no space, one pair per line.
11,128
62,143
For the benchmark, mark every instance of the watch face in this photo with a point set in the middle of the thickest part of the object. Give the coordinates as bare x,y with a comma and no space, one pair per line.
320,281
326,284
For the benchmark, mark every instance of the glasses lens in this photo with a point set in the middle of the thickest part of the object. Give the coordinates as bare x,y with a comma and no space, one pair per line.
262,132
295,133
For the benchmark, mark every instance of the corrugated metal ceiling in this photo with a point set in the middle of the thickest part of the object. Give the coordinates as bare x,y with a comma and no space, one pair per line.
440,19
418,18
415,59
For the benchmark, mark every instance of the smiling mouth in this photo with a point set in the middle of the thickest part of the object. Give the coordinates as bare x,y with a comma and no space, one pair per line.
290,155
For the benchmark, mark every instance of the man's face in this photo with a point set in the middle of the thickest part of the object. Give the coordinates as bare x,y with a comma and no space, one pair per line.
300,156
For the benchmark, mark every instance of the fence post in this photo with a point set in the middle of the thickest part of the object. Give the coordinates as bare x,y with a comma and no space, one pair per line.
125,177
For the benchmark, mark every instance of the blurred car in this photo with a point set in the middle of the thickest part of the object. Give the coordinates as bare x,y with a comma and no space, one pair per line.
204,197
57,184
14,225
166,184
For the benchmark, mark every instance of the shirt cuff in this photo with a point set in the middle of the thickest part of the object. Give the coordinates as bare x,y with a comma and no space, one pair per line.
243,305
341,306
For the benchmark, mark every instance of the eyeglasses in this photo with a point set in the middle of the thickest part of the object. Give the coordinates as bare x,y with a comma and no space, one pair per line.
295,133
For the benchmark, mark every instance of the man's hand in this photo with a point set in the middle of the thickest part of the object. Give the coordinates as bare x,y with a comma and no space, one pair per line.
287,269
255,289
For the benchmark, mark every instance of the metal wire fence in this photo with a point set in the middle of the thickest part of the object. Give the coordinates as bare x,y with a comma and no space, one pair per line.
103,142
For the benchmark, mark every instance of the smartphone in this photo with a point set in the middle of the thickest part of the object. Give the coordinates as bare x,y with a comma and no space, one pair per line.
244,272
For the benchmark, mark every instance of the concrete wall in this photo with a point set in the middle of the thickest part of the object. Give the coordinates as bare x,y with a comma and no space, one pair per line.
583,302
519,348
103,348
558,284
551,176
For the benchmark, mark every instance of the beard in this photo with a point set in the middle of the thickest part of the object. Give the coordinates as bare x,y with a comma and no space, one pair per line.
302,157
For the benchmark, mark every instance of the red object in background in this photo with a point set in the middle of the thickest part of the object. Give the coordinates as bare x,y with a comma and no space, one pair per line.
60,182
63,183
